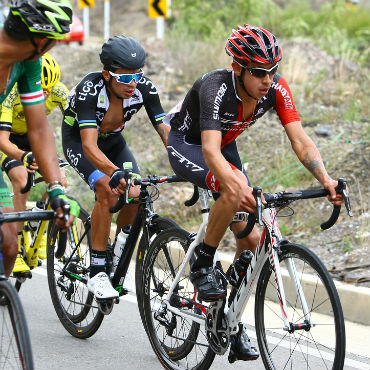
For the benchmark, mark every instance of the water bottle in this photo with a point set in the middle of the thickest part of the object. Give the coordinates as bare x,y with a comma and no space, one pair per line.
120,245
237,271
40,206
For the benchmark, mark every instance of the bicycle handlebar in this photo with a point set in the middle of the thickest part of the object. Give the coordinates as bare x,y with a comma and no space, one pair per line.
26,216
194,198
282,199
32,181
29,184
143,181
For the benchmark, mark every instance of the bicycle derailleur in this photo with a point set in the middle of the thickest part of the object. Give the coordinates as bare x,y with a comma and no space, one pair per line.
217,327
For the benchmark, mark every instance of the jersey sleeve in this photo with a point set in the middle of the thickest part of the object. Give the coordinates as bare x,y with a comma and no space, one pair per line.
153,104
284,106
29,84
6,110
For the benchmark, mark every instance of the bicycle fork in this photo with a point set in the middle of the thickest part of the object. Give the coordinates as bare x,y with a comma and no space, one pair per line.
274,260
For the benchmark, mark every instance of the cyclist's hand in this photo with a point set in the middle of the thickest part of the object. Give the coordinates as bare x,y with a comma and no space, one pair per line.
29,162
117,181
58,204
336,199
58,201
247,200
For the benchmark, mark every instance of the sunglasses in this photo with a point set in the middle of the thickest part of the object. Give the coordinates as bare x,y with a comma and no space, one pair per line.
127,78
261,72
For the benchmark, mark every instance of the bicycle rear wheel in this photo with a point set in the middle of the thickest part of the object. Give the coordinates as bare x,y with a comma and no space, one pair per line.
321,346
75,306
179,342
15,344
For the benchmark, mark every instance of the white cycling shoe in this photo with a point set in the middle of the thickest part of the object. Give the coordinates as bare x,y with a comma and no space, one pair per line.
101,287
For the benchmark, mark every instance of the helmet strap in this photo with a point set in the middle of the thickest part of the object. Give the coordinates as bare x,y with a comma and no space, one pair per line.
241,83
36,50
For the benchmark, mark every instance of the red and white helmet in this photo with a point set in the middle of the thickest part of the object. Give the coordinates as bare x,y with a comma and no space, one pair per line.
253,44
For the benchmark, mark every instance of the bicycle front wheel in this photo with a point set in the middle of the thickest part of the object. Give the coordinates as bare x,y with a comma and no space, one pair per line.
178,341
15,344
75,306
319,344
158,224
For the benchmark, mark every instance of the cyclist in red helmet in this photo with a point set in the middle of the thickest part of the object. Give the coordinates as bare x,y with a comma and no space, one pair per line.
202,149
30,30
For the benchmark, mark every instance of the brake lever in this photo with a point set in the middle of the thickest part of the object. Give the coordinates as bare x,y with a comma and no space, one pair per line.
257,192
342,189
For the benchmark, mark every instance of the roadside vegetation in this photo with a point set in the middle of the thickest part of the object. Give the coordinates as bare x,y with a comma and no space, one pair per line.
326,57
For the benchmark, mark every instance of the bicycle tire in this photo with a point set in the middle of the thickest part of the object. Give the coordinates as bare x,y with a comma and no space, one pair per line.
321,346
15,343
186,346
158,224
75,306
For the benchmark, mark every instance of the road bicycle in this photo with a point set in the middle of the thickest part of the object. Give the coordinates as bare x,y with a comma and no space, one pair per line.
298,316
79,311
33,233
15,344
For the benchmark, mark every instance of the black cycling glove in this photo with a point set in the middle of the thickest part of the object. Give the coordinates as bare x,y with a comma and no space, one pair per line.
115,178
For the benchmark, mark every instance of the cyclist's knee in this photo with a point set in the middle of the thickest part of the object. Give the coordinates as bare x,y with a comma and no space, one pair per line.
250,241
231,197
105,197
18,177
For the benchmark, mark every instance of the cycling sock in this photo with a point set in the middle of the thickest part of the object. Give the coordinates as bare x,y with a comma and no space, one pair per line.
205,257
97,262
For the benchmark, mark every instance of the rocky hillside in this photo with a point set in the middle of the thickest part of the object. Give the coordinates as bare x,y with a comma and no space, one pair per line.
317,80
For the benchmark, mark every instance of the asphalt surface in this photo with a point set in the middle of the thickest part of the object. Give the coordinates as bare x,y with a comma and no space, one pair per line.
121,342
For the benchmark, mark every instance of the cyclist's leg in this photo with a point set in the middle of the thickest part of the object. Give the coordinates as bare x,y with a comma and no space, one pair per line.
186,159
241,347
124,154
230,152
17,174
10,242
100,218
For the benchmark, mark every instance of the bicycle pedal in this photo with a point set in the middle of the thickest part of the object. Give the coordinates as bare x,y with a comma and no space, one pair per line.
106,305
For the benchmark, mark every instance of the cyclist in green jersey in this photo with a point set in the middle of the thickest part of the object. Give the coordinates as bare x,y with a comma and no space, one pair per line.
15,147
30,30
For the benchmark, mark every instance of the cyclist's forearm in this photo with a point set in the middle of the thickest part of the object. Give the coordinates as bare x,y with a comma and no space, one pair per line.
163,131
99,159
310,157
44,149
9,148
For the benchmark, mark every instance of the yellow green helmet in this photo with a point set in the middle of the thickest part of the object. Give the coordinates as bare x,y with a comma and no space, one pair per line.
44,18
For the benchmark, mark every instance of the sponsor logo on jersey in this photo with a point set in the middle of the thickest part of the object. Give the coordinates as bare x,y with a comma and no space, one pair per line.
218,99
288,102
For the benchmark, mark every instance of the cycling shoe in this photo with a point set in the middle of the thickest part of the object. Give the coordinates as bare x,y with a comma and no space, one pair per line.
241,347
208,283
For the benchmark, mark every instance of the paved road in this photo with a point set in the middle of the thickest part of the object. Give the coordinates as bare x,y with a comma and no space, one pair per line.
121,343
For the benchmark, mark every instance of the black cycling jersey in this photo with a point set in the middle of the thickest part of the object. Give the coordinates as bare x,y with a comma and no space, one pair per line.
213,104
89,101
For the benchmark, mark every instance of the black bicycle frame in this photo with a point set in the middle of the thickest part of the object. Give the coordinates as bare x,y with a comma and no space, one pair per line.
145,211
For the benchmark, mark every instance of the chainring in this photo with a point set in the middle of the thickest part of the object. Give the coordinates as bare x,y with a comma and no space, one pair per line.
217,328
